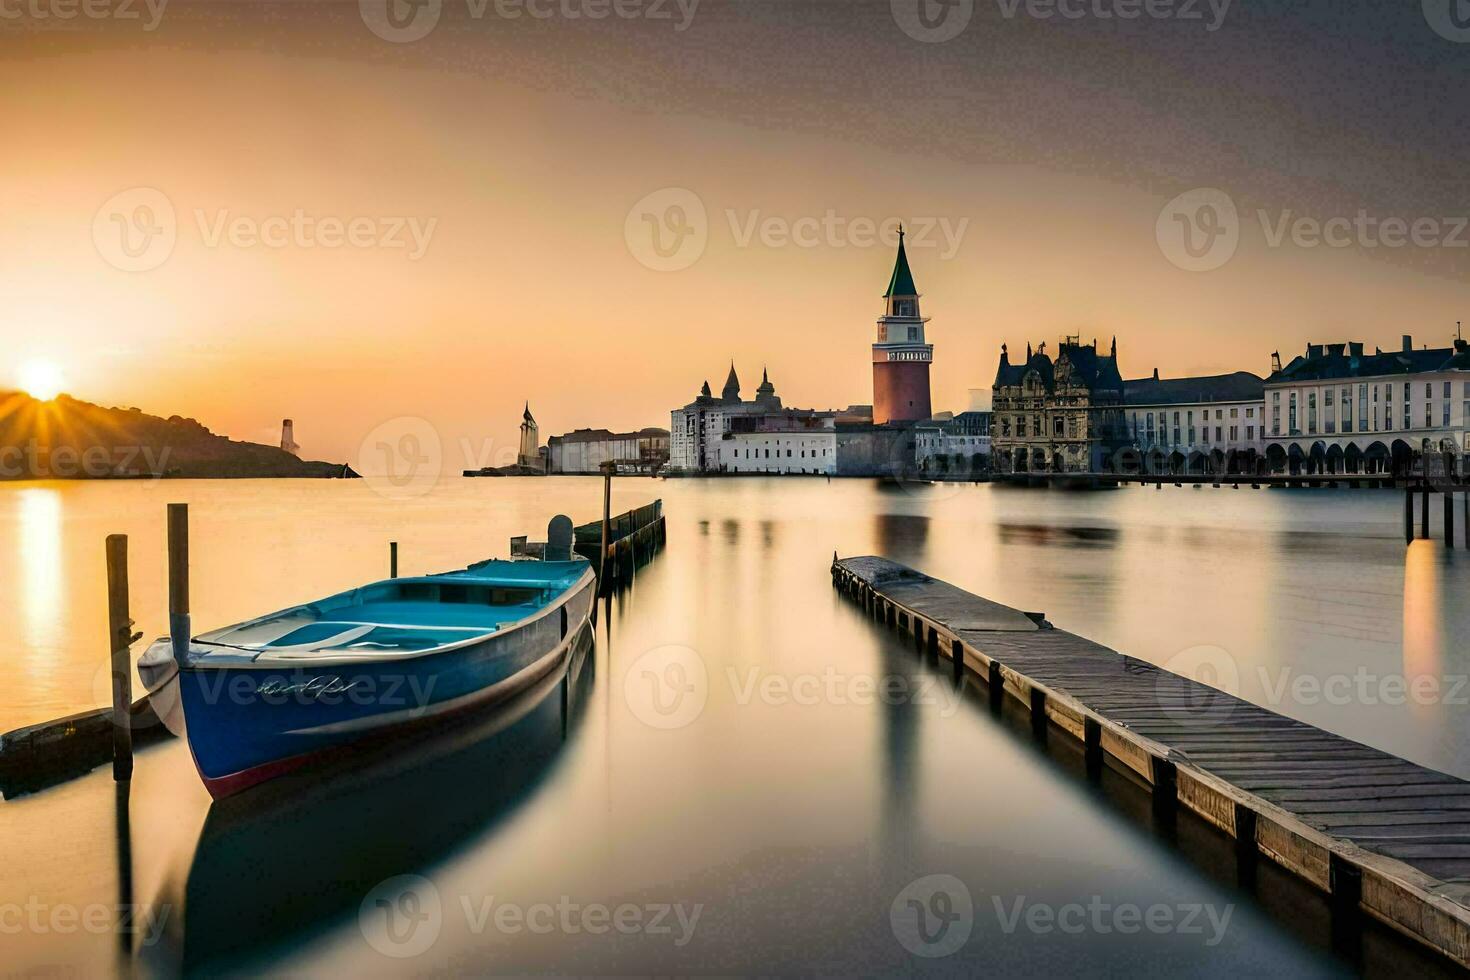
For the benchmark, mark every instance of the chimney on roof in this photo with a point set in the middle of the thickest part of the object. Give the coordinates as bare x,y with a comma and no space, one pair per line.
1156,374
1355,348
1408,343
1275,361
1314,351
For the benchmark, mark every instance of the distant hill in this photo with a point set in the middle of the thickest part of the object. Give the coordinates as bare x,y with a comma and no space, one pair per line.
67,439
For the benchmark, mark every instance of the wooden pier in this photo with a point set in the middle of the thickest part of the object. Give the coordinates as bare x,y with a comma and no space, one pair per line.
1378,834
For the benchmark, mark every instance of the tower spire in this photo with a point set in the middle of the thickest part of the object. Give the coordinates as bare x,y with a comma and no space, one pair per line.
902,281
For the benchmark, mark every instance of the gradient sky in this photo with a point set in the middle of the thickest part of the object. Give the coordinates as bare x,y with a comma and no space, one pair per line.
1054,144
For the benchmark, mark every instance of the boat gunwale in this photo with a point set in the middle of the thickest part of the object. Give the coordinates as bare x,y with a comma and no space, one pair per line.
341,660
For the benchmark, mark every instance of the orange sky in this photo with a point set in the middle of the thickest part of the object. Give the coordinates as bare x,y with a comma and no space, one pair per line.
526,146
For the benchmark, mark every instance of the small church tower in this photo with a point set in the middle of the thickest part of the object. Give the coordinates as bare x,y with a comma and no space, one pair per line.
901,358
530,452
288,437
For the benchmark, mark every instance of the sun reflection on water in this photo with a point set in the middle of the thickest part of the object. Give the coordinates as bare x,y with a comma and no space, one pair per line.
1423,617
40,573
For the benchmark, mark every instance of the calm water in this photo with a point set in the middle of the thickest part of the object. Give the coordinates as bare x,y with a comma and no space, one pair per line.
773,818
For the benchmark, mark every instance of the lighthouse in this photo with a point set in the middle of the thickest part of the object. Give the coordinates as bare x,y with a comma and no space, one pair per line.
901,358
288,437
530,450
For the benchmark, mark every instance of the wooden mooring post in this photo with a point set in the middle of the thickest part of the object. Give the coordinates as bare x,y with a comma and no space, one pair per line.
1424,510
1449,519
606,518
392,559
179,629
120,642
1408,515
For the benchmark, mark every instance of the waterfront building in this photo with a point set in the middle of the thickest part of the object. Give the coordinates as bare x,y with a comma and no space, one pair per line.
1338,409
586,450
958,444
1058,416
800,449
697,431
529,455
1214,423
901,358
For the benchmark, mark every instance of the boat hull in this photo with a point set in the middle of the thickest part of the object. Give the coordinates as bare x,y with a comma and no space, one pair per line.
249,723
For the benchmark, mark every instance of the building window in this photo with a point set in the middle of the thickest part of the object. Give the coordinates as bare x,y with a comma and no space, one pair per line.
1312,412
1250,433
1291,416
1235,413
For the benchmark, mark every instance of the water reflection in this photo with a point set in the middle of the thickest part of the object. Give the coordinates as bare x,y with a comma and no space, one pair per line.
277,865
42,541
1423,620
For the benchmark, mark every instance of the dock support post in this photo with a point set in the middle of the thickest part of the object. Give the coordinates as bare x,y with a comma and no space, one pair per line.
1424,510
1245,833
889,616
1408,515
120,637
957,654
995,680
1449,519
1092,744
1346,882
1038,712
392,559
179,629
933,646
1166,786
1465,501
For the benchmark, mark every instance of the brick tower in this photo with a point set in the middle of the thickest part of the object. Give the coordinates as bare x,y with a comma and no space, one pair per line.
901,358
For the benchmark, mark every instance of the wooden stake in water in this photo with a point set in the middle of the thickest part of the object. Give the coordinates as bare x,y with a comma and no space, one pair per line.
392,559
120,642
606,518
178,580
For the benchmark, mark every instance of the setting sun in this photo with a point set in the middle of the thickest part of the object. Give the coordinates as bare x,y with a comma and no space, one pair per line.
41,379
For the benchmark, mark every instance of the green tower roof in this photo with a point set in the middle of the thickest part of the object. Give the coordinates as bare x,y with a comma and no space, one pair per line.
902,283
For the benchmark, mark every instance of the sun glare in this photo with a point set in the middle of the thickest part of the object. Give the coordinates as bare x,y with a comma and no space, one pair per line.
41,379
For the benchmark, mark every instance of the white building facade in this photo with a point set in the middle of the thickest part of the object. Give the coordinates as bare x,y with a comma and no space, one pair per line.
1182,424
960,444
1339,409
805,452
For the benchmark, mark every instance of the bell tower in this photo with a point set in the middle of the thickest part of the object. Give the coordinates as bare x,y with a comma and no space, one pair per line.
901,358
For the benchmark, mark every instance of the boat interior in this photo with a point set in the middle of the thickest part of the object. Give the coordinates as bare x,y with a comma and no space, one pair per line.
405,615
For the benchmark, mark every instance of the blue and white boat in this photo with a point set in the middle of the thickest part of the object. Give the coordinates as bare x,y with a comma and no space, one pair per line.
298,686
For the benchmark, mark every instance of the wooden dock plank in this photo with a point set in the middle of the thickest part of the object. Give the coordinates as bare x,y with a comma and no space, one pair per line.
1320,800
